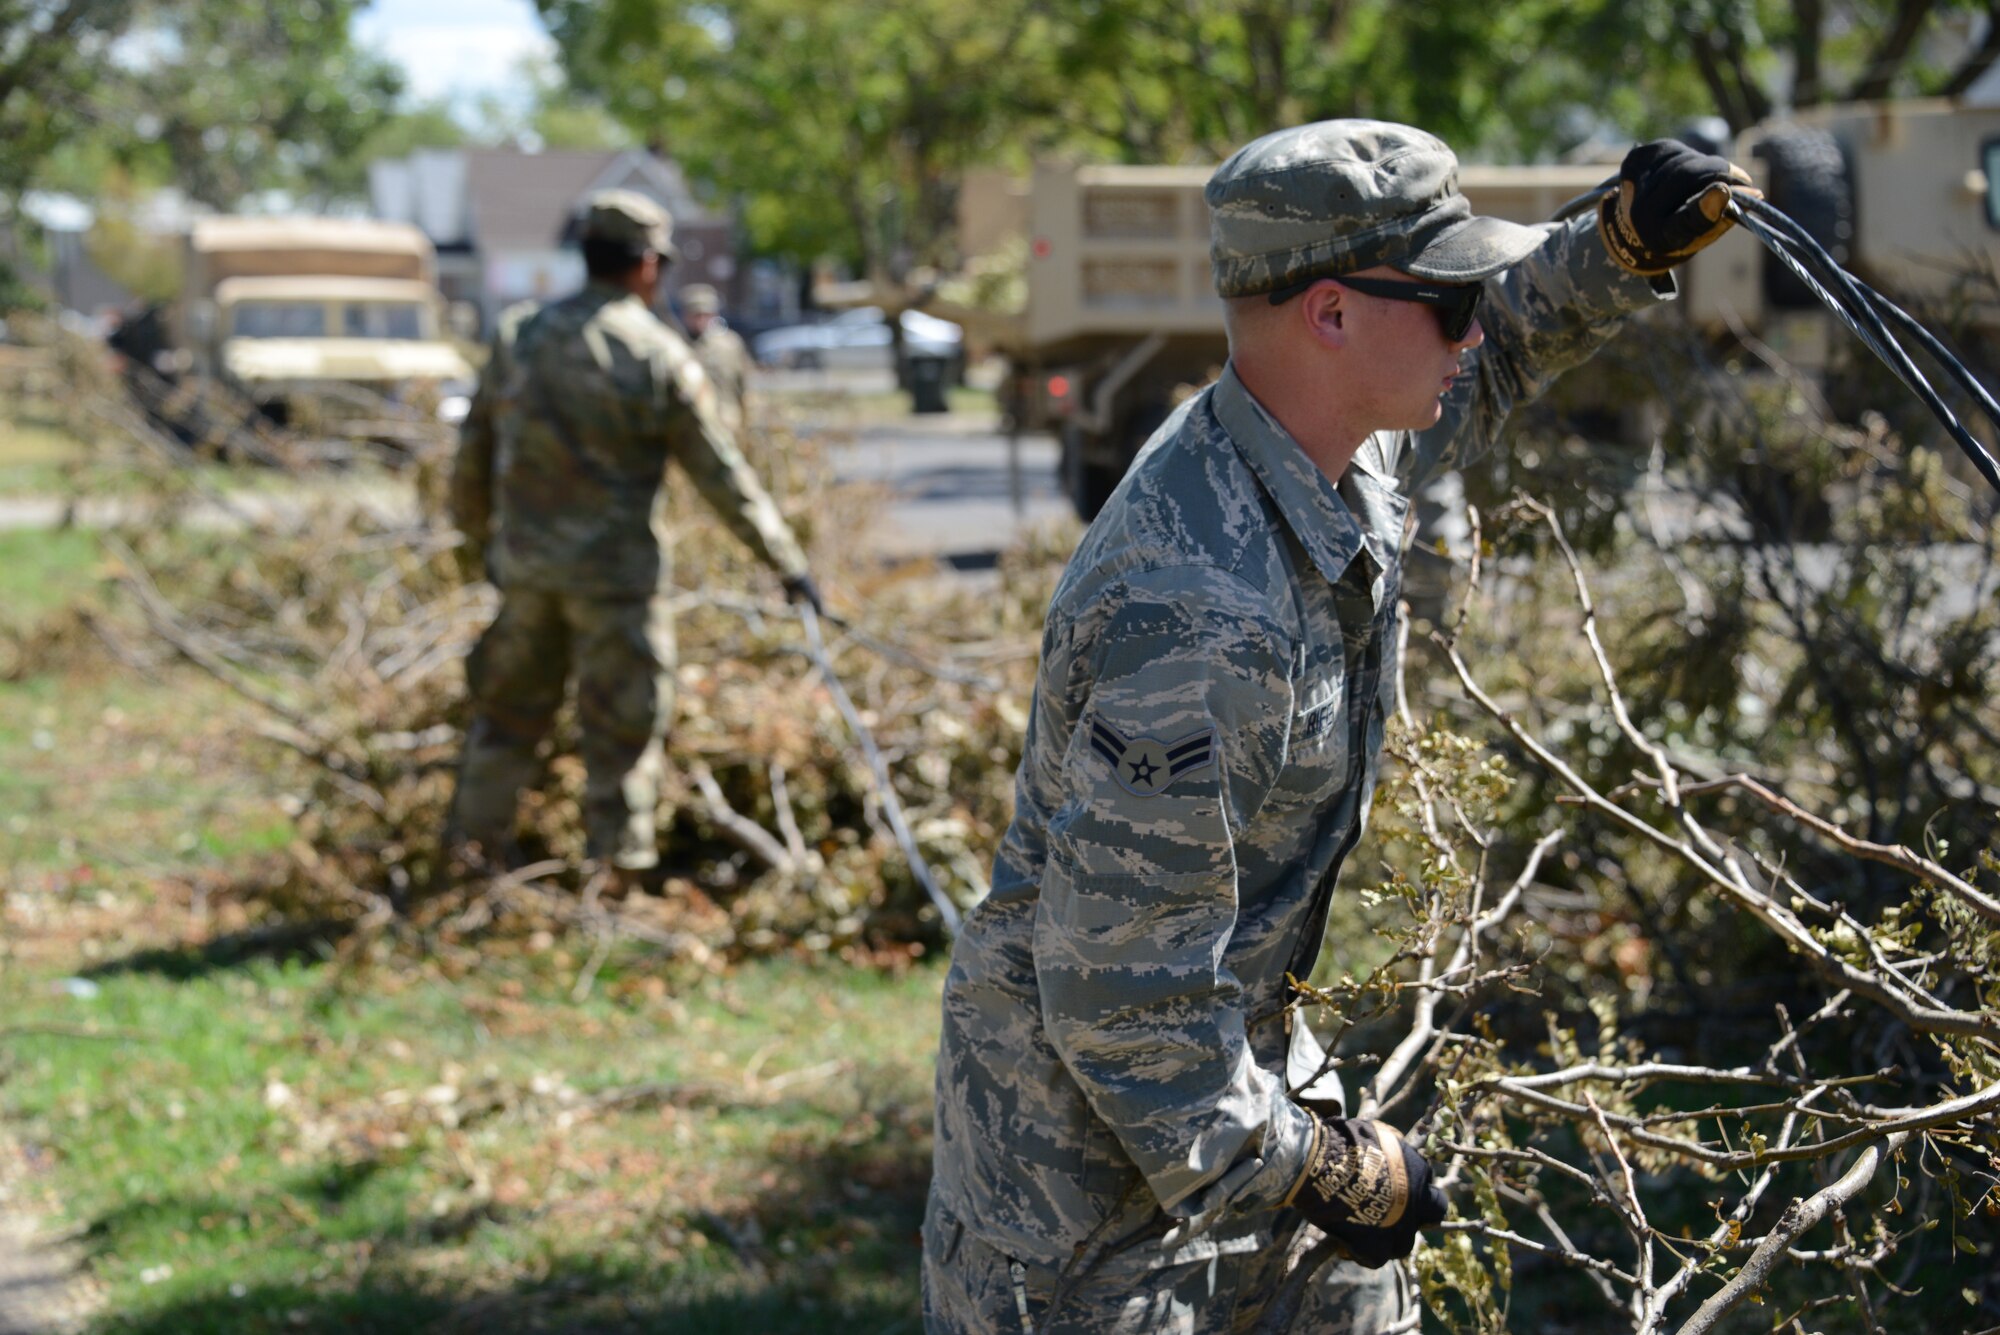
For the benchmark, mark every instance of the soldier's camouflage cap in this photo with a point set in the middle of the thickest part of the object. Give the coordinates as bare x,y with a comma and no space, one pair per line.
629,218
700,299
1329,198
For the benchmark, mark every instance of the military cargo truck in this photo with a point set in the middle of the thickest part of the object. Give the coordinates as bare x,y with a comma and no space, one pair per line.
1121,312
280,307
1118,313
1904,194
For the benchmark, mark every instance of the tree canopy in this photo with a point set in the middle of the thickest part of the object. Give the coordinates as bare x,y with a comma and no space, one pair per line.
220,97
843,127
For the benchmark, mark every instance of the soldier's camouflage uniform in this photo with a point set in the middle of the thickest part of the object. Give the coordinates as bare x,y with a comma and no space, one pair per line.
727,362
565,452
1202,750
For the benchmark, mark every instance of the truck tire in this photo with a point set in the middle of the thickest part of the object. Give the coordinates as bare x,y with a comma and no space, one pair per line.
1806,179
1088,485
1138,428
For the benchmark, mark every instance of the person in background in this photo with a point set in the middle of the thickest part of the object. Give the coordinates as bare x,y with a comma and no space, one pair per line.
720,349
560,489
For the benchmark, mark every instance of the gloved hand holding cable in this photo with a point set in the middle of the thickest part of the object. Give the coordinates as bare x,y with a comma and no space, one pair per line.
1670,202
800,589
1368,1189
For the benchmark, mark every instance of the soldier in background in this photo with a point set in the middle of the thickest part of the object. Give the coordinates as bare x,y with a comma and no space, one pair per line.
1135,1129
720,349
561,488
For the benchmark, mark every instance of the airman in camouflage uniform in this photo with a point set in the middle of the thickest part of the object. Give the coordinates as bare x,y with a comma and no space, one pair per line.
561,482
1125,1107
720,349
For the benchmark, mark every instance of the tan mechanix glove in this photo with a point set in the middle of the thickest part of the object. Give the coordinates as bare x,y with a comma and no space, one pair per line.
1670,203
1367,1189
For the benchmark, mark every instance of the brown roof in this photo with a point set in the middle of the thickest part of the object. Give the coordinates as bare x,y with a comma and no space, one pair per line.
520,201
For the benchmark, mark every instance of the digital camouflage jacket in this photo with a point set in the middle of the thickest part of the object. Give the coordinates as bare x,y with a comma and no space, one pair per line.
1202,748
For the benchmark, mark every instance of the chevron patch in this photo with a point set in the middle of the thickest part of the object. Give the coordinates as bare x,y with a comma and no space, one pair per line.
1144,766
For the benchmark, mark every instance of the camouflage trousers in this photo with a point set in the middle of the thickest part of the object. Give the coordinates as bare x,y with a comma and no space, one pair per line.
971,1288
623,651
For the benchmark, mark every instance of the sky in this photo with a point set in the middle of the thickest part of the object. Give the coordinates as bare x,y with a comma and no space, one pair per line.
455,50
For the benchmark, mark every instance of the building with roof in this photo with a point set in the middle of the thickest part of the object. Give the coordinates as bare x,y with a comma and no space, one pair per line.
501,219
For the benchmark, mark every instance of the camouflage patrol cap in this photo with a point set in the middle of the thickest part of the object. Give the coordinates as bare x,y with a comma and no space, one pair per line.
1330,198
700,299
627,217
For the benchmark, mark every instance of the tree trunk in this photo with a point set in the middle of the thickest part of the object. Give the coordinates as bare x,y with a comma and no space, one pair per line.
1708,59
1886,61
1807,18
1981,58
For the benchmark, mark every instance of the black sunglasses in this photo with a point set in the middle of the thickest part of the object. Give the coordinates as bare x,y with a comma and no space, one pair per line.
1457,303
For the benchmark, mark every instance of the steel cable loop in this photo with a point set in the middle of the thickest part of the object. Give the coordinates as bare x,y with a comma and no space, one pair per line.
1783,230
1933,345
1836,288
1861,309
1858,306
892,806
1873,336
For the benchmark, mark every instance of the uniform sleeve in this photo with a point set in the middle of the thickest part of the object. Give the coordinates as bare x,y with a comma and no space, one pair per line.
1543,316
1180,740
708,452
471,496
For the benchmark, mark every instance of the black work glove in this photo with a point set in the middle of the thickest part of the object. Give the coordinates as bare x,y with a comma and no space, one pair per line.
1364,1187
800,588
1668,205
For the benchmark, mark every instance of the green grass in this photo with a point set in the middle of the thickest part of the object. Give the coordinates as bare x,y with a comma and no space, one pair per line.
107,781
270,1146
265,1126
40,458
44,570
35,455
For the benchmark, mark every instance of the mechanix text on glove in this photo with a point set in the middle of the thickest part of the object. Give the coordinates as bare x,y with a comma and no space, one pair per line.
1670,202
1364,1186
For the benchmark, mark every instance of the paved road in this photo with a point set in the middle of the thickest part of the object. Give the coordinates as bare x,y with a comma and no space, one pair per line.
953,495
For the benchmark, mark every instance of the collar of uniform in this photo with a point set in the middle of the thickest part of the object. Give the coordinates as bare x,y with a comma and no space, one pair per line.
1324,523
1374,499
608,292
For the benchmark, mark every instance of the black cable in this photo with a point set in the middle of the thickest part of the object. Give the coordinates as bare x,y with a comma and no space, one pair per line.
1934,346
1861,308
1862,312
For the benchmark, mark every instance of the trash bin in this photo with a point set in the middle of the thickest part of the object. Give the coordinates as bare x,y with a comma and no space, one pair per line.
928,378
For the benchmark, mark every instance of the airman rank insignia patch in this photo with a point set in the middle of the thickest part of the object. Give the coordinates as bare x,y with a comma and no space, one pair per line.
1143,766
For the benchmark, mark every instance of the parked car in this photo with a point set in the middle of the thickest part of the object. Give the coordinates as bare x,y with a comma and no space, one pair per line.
857,340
